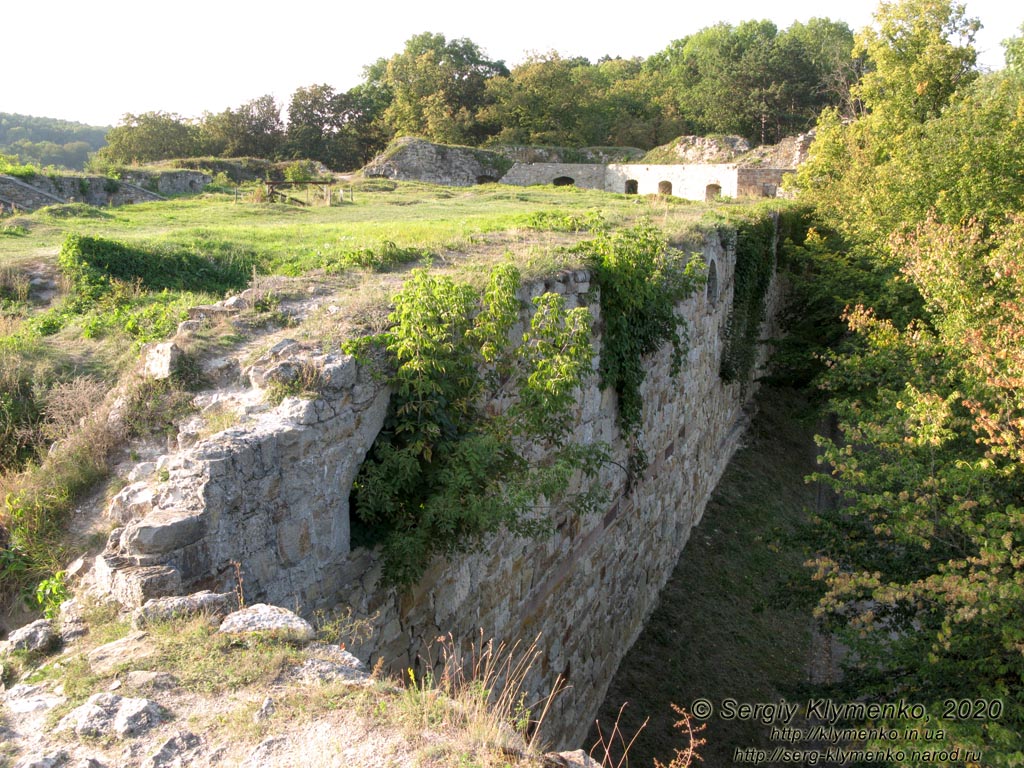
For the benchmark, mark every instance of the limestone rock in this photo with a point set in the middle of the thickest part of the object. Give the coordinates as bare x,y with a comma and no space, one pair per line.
131,502
174,752
51,759
134,647
139,678
36,637
162,608
325,664
269,619
107,714
161,360
24,698
576,759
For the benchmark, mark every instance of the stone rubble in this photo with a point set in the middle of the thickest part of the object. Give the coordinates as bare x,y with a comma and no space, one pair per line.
107,715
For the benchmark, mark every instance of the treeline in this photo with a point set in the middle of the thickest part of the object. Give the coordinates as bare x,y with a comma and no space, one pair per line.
917,269
750,79
43,141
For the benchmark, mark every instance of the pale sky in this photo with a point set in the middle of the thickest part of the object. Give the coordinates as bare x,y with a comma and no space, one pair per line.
95,61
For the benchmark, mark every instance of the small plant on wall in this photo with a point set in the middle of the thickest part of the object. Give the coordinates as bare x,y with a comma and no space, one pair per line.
449,468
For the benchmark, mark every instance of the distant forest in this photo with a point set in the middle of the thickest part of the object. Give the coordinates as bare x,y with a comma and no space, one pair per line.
749,79
45,141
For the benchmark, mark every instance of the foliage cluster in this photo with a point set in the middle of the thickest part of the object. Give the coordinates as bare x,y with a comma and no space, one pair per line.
755,264
922,561
751,79
642,279
46,142
10,166
445,470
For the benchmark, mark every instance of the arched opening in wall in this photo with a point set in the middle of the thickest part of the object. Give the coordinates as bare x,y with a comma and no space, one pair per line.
564,181
712,284
712,192
769,190
486,179
632,187
664,187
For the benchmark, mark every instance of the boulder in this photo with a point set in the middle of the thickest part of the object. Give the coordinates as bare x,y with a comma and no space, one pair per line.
279,623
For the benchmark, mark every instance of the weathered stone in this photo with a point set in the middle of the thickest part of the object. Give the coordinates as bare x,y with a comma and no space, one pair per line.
576,759
138,678
160,361
269,619
174,752
129,649
107,714
131,502
50,759
24,698
36,637
163,531
163,608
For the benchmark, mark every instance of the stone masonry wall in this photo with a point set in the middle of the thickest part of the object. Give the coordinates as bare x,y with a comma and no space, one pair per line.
137,187
272,495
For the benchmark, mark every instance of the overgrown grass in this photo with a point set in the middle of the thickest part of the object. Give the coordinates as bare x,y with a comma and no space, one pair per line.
734,619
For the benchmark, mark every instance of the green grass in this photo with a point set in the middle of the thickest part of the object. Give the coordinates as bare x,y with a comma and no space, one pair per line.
734,619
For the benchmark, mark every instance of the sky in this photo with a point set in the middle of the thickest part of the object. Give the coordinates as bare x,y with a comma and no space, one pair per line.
93,61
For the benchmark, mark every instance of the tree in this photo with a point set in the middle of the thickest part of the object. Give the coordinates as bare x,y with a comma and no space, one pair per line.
255,129
752,80
889,167
437,88
921,52
151,136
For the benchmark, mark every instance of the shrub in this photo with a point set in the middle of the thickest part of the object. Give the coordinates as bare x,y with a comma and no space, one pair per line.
444,473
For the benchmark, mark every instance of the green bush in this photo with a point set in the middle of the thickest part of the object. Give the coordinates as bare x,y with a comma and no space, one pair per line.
444,473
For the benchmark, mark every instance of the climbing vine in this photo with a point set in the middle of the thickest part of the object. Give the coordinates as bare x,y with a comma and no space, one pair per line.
457,457
642,279
755,262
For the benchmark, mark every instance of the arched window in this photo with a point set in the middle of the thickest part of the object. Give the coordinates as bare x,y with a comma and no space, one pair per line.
712,192
632,186
664,187
564,181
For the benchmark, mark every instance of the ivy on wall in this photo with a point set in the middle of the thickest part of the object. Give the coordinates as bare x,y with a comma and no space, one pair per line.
755,264
642,280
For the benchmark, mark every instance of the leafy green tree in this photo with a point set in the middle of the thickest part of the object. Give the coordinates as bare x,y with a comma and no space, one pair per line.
341,130
151,136
437,87
754,81
888,168
255,129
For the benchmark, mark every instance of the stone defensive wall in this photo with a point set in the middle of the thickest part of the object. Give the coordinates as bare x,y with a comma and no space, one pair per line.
136,187
269,499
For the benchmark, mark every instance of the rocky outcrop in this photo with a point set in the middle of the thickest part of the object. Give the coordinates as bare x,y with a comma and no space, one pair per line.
412,159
